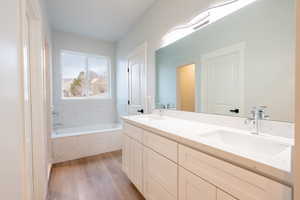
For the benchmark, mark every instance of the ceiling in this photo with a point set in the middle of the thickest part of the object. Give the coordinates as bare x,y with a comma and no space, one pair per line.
103,19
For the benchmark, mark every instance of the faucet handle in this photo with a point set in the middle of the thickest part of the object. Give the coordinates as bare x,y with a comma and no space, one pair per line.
265,117
262,111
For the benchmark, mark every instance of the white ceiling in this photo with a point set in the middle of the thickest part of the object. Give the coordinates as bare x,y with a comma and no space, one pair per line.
103,19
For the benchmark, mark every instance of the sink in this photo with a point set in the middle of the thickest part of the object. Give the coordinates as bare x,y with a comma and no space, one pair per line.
253,145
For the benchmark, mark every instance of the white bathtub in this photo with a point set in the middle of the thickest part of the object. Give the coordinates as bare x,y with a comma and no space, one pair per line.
79,142
91,129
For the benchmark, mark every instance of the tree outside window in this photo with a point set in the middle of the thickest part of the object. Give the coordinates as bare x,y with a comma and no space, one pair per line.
84,75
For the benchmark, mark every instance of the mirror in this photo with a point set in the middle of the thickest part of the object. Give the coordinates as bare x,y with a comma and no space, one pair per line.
232,64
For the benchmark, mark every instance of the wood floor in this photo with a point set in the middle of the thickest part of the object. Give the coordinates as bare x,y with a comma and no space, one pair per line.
94,178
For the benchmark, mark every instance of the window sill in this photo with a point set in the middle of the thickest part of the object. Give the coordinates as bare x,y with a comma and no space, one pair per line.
86,98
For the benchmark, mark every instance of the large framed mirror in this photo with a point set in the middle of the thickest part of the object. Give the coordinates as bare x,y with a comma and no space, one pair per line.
230,64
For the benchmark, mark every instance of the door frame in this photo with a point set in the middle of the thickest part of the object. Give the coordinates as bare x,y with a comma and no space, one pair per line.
240,47
143,47
37,142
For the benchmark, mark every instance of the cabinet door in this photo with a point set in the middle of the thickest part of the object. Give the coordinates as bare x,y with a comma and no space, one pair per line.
192,187
136,164
160,177
224,196
126,146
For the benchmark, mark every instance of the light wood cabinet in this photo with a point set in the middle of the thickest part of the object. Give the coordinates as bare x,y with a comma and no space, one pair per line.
192,187
132,163
162,145
160,177
126,154
133,132
136,169
162,169
224,196
239,182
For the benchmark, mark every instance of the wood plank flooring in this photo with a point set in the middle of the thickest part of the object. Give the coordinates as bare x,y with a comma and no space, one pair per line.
93,178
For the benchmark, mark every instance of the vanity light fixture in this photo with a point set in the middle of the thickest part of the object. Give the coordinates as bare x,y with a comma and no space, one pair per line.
211,15
201,25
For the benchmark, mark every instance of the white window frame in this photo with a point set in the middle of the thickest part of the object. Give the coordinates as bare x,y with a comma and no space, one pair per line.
87,55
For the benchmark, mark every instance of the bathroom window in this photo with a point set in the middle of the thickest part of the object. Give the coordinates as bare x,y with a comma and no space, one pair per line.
85,76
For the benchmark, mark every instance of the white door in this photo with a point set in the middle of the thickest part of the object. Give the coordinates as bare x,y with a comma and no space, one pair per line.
137,81
223,82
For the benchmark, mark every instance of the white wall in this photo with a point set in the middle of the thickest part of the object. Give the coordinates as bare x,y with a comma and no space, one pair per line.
88,111
159,19
269,63
11,136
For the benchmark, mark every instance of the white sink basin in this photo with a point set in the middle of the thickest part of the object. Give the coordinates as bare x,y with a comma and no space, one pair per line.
245,144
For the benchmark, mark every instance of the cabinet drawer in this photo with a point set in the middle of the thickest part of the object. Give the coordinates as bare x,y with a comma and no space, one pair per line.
133,132
161,145
160,176
238,182
191,187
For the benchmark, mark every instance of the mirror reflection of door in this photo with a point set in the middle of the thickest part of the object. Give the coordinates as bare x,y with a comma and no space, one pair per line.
186,88
222,81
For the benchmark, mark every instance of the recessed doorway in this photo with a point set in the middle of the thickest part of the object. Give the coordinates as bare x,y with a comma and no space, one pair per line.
186,88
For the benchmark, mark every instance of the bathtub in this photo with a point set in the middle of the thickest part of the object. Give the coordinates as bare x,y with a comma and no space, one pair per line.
78,142
91,129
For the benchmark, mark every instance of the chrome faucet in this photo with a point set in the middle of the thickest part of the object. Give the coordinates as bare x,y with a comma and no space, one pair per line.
162,109
257,114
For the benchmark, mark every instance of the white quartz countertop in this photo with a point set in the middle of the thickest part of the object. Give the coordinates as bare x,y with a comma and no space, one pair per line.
201,136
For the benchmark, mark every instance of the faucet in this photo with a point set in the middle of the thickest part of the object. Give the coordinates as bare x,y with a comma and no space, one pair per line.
162,109
257,114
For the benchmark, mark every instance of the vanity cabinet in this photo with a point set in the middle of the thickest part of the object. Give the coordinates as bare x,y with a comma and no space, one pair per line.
224,196
132,161
192,187
126,149
133,132
160,176
239,182
164,146
163,169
